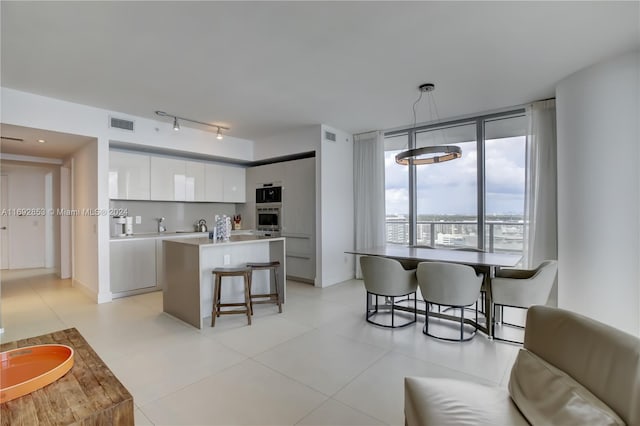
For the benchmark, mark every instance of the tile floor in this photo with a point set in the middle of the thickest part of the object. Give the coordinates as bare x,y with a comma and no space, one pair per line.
317,363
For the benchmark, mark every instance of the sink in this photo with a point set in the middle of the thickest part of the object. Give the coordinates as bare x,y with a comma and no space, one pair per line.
189,232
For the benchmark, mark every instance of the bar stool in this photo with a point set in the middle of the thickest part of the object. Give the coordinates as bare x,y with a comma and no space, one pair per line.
218,273
267,297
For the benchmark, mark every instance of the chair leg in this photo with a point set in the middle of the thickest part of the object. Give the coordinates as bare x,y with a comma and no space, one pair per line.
415,307
461,324
426,322
216,285
218,294
247,296
250,284
393,302
275,279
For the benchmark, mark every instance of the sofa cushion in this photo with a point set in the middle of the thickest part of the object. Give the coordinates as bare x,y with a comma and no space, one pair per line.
548,396
431,401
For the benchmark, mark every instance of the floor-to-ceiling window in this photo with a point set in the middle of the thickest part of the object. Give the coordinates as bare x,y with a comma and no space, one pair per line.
505,159
396,191
476,201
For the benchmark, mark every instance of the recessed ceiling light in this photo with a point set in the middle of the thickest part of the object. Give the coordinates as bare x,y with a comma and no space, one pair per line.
41,140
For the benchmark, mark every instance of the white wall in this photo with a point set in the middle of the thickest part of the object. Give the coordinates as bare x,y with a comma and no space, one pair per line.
85,226
598,192
65,221
336,228
29,110
304,139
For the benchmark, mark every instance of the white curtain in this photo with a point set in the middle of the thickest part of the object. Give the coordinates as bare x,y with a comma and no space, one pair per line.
368,176
541,184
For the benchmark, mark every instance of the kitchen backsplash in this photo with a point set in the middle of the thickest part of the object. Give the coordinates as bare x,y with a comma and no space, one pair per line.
178,216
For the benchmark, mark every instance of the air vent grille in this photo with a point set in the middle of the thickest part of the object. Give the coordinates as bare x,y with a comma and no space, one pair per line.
120,123
330,136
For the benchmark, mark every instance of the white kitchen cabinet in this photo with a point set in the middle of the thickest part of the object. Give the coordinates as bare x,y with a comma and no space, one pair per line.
195,181
132,267
213,187
299,197
129,176
298,181
234,181
168,179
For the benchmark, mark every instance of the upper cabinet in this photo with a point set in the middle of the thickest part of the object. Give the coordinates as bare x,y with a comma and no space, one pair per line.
299,197
214,175
168,179
143,177
233,181
129,176
195,182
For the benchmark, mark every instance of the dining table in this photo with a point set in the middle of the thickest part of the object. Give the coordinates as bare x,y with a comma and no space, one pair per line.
484,262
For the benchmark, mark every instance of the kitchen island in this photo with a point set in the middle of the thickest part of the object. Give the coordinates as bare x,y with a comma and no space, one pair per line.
188,286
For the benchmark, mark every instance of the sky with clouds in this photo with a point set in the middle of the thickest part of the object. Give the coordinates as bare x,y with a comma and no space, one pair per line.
450,187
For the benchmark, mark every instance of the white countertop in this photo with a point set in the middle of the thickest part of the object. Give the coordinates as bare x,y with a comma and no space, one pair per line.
172,235
235,239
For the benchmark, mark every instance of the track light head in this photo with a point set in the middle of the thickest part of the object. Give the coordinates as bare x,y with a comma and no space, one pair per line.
176,125
219,135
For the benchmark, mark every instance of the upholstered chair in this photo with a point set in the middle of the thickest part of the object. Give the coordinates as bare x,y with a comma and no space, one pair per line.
448,284
483,290
522,288
384,277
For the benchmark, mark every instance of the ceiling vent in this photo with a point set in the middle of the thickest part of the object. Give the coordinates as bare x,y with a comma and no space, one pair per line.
330,136
120,123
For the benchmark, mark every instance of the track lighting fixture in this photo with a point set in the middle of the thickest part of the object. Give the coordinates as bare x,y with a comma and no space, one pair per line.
176,125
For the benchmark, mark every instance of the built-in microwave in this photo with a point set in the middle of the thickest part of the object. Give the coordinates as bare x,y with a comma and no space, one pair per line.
268,219
269,193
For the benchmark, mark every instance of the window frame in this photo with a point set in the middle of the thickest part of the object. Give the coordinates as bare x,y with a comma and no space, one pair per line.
480,122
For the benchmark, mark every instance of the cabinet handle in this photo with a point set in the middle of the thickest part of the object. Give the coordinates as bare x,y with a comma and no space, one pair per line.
300,237
298,256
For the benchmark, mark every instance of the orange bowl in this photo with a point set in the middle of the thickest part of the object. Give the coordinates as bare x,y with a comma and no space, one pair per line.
28,369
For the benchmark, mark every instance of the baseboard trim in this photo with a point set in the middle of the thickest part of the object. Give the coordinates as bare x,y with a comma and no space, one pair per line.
91,293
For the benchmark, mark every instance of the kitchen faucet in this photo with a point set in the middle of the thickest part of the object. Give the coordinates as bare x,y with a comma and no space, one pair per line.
161,227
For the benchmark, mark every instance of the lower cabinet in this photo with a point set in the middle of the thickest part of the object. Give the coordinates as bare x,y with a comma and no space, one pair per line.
301,261
133,267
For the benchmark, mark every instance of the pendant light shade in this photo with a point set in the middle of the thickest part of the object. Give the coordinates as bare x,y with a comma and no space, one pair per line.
428,154
414,156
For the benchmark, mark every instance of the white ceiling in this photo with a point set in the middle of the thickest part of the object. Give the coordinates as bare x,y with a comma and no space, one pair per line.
266,67
56,145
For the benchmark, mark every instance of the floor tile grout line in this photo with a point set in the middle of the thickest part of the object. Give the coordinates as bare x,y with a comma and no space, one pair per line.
438,364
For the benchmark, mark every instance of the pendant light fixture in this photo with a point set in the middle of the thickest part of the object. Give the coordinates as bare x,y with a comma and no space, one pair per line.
176,125
427,154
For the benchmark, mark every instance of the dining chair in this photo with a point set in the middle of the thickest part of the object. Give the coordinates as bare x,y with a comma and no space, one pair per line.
483,290
451,285
387,278
521,288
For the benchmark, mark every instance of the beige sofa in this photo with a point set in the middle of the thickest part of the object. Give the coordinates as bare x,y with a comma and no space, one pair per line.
571,371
